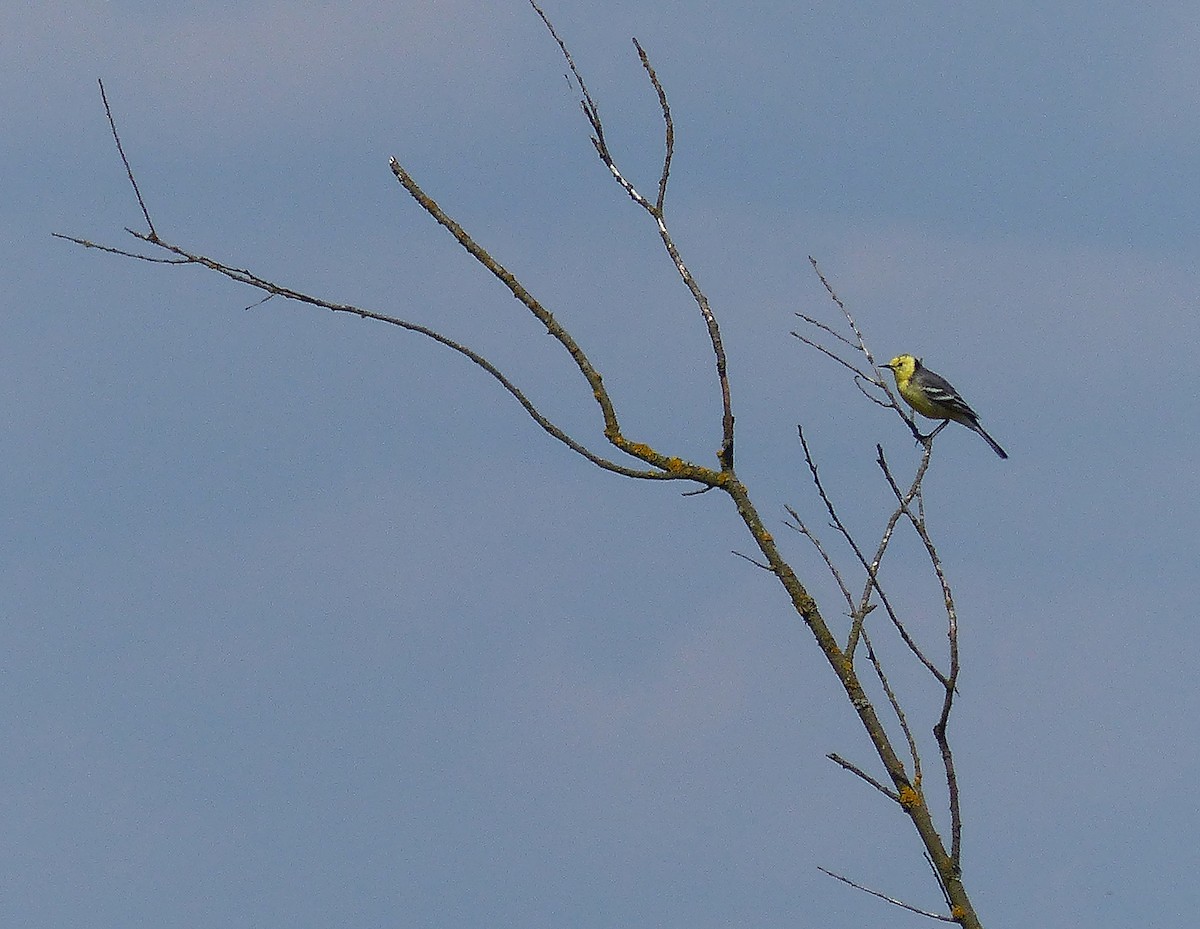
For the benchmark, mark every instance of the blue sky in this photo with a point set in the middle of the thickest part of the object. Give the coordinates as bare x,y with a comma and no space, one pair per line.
305,624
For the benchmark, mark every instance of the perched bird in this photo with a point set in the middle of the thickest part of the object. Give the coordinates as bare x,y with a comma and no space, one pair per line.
932,396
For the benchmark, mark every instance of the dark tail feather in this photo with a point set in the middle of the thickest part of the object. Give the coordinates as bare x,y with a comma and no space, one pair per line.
990,441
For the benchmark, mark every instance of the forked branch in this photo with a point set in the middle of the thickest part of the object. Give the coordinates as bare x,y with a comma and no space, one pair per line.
662,467
908,507
656,209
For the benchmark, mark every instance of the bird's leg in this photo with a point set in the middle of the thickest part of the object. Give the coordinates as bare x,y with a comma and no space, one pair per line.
929,438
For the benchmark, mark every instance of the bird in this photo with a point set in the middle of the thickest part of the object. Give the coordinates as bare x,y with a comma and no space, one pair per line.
932,396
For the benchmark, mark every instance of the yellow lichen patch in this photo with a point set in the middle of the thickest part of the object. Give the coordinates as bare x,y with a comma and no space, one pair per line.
909,798
958,911
640,450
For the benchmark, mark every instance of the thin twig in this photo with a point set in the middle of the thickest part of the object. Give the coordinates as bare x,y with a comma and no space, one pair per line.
799,525
858,382
855,769
757,564
120,251
896,708
941,880
829,507
668,123
825,351
827,328
891,900
859,613
125,161
880,382
862,343
587,103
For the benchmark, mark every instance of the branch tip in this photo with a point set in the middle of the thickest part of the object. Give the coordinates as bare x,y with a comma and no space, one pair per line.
112,124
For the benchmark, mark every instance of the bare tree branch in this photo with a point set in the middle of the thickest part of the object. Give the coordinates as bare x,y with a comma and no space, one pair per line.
878,381
125,161
891,900
243,276
855,769
913,752
905,499
831,354
862,344
825,327
951,680
667,121
666,468
656,211
120,251
799,525
871,567
757,564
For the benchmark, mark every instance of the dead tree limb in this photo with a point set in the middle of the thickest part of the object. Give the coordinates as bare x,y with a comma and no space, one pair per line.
906,789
